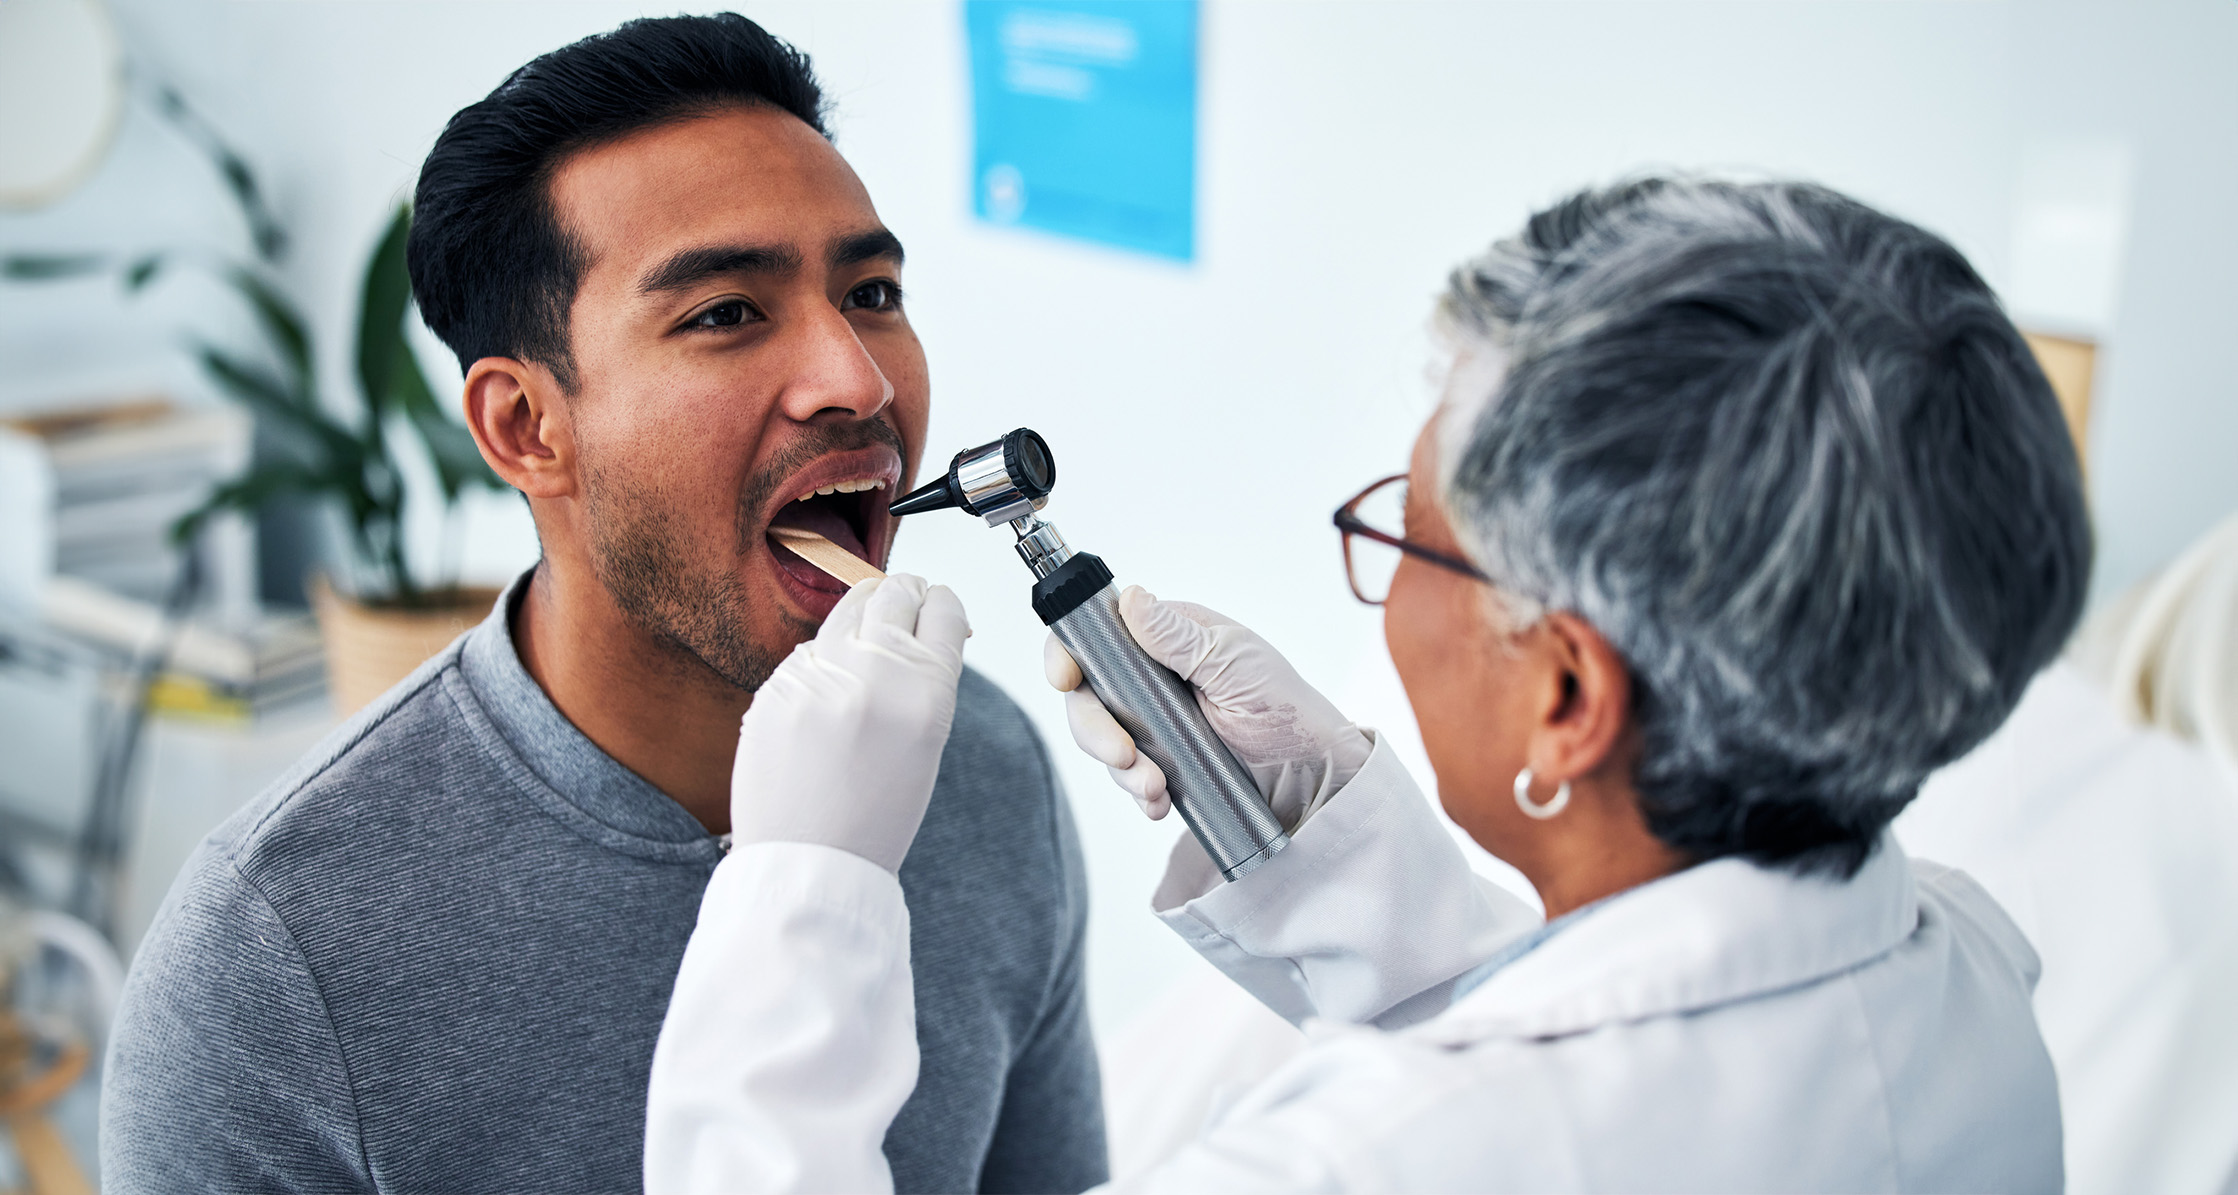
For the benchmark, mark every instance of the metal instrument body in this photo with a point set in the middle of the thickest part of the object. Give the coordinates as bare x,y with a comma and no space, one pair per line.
1009,481
1214,794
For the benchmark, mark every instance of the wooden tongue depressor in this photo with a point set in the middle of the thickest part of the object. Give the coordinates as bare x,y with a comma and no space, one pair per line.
826,555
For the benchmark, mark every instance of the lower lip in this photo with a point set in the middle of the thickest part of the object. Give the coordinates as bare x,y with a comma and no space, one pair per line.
810,588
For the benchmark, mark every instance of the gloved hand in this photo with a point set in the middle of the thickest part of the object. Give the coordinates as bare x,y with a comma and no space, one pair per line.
1298,748
843,741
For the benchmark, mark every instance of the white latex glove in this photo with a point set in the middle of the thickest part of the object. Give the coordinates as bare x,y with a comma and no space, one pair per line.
843,741
1299,749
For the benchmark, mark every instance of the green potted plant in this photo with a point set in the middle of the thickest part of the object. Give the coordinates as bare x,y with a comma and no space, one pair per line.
381,620
385,621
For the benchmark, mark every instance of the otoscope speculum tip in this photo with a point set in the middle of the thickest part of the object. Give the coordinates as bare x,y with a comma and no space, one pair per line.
936,496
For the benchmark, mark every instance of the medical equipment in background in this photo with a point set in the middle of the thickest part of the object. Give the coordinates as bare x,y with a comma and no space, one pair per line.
1008,481
59,985
2166,650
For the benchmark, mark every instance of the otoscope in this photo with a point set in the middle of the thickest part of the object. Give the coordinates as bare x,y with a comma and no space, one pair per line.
1009,481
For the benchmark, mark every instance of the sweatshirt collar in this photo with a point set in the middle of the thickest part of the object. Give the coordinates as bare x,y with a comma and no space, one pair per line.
559,767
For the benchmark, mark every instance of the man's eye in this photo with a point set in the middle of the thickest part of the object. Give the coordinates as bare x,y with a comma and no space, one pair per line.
878,295
728,314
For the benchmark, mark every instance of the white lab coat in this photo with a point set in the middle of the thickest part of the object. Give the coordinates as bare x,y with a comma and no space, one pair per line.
1727,1028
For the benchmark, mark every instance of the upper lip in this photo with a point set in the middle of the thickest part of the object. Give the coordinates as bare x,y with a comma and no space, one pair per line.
878,462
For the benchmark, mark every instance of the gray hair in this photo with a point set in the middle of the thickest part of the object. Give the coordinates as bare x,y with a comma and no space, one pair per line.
1791,459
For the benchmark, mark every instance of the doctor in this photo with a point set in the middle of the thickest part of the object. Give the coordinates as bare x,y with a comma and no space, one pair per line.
1746,508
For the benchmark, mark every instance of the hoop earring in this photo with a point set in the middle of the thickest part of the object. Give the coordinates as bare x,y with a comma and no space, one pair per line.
1531,808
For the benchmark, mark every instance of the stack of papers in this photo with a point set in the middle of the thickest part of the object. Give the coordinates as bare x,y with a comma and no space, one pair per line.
93,493
211,671
88,498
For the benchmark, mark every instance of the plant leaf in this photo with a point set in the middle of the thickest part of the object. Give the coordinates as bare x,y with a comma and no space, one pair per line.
390,374
251,384
141,272
45,267
250,491
254,386
270,239
284,324
387,292
458,462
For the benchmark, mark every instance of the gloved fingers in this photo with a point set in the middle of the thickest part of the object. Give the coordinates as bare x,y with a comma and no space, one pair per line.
1106,742
941,622
1146,783
846,618
1097,732
1058,665
1203,616
894,607
1169,636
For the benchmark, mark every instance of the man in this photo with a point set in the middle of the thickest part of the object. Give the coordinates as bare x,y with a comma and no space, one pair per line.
437,956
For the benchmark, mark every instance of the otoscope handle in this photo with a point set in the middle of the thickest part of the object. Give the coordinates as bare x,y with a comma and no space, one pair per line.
1214,793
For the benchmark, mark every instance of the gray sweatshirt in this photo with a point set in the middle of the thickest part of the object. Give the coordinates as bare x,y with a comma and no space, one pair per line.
435,958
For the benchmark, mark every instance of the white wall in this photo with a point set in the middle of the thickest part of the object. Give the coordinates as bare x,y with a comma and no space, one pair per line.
1208,417
2156,77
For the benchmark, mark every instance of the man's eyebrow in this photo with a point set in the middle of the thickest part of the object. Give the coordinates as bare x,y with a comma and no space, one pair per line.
866,246
697,265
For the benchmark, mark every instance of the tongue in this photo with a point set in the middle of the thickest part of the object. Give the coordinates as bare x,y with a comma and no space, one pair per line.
817,515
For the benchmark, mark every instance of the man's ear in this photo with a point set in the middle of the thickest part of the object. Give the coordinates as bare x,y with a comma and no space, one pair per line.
514,410
1586,714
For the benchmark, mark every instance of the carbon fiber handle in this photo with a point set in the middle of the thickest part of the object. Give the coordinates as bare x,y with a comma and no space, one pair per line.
1214,793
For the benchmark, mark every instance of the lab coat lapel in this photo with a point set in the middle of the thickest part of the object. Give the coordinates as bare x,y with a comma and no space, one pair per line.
1719,932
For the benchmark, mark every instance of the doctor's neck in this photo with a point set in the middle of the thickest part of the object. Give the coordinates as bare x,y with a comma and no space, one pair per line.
1598,846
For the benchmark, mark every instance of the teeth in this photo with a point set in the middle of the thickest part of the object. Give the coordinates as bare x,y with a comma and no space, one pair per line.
846,487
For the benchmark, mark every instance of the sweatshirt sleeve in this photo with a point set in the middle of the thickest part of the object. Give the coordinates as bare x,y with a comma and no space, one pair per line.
224,1072
1050,1136
1367,917
791,1036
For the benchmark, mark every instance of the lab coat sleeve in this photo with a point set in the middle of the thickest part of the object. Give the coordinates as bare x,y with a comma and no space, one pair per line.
791,1037
1367,917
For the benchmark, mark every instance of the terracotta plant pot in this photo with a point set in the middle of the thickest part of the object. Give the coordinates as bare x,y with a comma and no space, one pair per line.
370,648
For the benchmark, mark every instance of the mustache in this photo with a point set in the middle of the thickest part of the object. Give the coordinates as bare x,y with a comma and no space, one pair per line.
816,442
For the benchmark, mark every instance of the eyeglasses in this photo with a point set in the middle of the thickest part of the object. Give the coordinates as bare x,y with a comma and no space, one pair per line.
1371,554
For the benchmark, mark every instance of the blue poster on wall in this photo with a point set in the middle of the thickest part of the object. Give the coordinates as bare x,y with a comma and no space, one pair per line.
1084,117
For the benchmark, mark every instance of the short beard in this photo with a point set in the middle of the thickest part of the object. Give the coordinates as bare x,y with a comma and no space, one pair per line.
641,552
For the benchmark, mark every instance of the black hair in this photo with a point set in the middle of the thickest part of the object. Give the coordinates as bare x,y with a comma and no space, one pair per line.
493,269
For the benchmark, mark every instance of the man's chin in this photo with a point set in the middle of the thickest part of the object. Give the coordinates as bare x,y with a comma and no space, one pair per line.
705,620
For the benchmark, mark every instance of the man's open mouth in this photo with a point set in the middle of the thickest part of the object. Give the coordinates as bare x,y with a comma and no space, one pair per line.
844,500
839,513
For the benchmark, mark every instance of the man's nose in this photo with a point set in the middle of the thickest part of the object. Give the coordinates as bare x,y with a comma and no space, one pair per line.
834,374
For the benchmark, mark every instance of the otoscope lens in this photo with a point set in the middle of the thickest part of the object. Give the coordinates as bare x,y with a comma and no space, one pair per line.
1036,472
